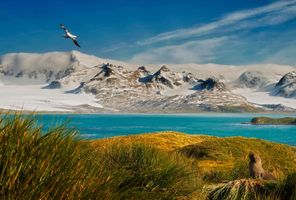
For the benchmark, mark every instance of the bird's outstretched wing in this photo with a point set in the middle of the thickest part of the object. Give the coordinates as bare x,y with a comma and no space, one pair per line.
76,43
63,27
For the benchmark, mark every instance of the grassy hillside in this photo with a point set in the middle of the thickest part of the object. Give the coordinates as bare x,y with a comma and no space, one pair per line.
276,121
166,165
213,153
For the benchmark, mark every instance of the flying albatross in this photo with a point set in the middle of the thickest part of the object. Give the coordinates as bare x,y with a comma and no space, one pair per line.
69,35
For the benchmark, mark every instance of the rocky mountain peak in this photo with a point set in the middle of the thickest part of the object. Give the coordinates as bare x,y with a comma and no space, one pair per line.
252,79
143,69
287,85
211,84
164,68
106,71
141,72
287,78
163,76
137,89
188,77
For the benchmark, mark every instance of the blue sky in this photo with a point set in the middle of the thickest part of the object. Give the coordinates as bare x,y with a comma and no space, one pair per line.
163,31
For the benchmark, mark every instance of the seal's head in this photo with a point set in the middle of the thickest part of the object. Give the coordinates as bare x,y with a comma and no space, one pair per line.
254,157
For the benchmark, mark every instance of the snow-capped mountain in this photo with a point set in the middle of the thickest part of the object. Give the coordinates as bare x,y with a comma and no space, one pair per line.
287,85
252,79
73,81
48,66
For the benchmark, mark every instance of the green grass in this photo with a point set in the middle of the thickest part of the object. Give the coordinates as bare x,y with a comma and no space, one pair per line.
57,165
249,189
232,152
142,172
271,121
244,189
54,165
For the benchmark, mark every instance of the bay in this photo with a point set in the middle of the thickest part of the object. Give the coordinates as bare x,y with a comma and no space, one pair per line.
93,126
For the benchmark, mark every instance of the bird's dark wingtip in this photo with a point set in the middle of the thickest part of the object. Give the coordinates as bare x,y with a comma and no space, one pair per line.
76,43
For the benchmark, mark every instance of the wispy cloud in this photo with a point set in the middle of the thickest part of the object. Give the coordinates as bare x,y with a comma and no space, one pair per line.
193,51
271,14
228,39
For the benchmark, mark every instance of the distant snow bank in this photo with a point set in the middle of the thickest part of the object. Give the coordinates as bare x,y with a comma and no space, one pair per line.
51,61
33,98
260,97
39,68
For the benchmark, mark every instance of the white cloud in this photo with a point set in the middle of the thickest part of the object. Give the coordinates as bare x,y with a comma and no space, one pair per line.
226,40
190,52
282,52
271,14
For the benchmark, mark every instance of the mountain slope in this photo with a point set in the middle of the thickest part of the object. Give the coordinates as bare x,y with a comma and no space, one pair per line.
103,85
287,85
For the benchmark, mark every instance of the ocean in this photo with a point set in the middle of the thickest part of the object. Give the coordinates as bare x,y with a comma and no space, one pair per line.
93,126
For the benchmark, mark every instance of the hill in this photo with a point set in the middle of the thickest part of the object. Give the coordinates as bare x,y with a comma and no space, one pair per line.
213,153
273,121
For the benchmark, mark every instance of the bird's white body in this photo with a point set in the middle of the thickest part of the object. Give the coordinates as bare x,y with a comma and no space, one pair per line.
69,35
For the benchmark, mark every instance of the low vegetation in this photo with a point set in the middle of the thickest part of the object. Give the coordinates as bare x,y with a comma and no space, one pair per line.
273,121
57,164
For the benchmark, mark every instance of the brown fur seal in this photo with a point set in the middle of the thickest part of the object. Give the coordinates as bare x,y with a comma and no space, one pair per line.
256,169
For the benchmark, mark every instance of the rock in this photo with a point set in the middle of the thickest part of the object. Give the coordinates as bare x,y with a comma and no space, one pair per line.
106,71
252,79
162,78
211,84
78,89
286,86
143,71
53,85
20,74
188,77
287,79
279,108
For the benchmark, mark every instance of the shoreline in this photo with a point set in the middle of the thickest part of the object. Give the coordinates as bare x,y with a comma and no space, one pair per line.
144,113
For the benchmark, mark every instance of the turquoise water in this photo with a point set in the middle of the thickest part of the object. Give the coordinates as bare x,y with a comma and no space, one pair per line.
222,125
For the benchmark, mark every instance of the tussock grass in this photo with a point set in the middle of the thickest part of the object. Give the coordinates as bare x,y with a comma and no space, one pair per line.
165,140
218,154
287,188
249,189
142,172
230,154
243,189
51,165
58,165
